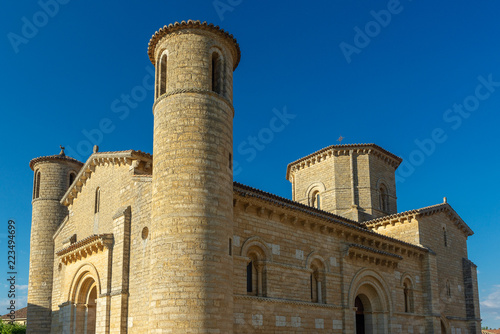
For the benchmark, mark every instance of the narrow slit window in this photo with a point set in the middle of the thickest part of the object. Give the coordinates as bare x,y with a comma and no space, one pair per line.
72,177
384,205
216,73
97,200
249,277
163,74
406,297
316,200
312,287
445,238
36,185
158,79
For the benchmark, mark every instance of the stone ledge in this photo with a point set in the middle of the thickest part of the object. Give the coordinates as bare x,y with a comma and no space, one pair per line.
286,301
85,247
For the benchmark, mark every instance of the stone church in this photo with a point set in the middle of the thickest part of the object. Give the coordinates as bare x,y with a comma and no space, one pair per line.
129,242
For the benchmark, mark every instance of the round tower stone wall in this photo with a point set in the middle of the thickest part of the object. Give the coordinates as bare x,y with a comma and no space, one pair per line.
192,189
52,176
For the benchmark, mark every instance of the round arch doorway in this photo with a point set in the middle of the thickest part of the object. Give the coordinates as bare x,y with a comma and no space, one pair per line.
85,306
360,316
370,313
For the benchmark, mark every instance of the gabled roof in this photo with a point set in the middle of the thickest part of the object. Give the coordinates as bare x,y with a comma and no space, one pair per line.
317,156
426,211
22,313
98,158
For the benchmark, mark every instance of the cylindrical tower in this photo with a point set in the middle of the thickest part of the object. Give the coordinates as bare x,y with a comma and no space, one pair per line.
192,187
53,175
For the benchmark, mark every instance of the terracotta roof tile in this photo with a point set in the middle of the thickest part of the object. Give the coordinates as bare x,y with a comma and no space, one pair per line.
396,160
20,314
284,202
158,35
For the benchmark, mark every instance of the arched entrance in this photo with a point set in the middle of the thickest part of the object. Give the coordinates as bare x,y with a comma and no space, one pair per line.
370,303
360,316
85,306
443,328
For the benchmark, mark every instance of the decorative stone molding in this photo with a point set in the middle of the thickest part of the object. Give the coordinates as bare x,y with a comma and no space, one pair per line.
339,150
57,157
85,248
304,216
286,301
158,35
196,91
371,255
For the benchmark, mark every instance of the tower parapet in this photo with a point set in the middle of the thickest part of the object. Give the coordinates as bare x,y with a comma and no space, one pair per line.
53,175
192,186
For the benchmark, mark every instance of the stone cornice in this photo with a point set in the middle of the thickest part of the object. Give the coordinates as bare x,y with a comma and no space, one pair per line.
407,216
57,157
130,157
298,215
196,91
286,301
371,255
85,247
191,24
337,150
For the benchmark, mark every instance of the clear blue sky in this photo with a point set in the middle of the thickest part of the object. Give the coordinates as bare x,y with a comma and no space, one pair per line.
393,87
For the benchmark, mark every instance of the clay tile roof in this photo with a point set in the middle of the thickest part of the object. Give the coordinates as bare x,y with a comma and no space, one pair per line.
395,160
245,190
428,210
20,314
191,24
56,157
134,152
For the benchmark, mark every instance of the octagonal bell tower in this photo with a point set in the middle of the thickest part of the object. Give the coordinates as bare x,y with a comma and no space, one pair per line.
192,187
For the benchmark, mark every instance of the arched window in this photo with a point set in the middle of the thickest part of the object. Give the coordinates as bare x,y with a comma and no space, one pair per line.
36,185
383,198
317,282
250,277
72,177
97,200
163,75
445,237
256,280
408,296
314,195
157,83
216,72
316,199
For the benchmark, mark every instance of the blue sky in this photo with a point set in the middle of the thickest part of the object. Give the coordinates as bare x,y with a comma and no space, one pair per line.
423,82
